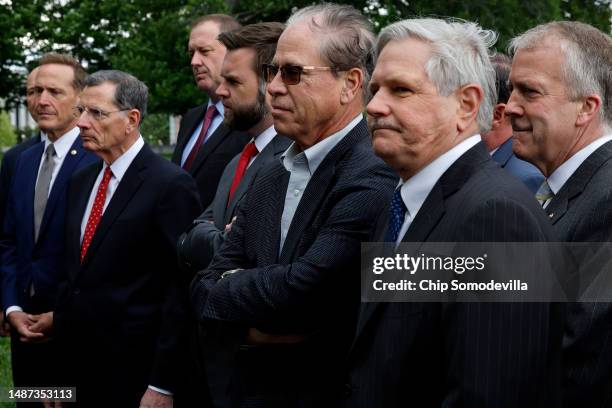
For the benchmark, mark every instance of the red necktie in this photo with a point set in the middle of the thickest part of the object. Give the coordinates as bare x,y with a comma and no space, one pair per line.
208,117
96,212
249,152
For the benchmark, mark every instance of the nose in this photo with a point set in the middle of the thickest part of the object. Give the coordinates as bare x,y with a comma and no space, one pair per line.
276,86
222,91
43,99
513,107
196,59
377,105
84,121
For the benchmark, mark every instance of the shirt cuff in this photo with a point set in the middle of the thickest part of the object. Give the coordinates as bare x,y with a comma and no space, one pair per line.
12,309
161,391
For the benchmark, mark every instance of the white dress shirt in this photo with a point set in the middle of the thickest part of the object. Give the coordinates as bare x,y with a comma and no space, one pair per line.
416,189
560,176
261,141
217,120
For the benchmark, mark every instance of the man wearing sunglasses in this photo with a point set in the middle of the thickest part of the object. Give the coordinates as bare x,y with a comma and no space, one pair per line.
33,236
284,287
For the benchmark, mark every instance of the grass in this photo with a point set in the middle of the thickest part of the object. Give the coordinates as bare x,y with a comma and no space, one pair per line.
6,378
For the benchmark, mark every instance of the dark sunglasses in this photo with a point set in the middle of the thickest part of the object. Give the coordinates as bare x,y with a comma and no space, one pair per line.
290,74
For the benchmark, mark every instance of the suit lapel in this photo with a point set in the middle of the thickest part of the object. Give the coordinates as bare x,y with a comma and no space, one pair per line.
74,217
431,212
576,184
127,188
190,127
208,147
317,189
63,176
262,158
279,180
503,154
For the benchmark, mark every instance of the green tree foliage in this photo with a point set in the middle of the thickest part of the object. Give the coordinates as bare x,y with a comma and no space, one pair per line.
7,132
149,37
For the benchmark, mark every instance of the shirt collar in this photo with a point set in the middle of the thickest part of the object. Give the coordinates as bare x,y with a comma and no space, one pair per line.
265,137
560,176
121,164
416,189
218,105
64,142
316,153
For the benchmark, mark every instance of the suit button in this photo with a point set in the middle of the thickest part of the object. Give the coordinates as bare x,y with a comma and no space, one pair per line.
76,291
347,389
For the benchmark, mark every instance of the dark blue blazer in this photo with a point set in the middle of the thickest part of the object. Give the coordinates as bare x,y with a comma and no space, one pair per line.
40,263
524,171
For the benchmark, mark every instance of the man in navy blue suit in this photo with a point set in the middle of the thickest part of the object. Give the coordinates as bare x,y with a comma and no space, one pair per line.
499,138
33,234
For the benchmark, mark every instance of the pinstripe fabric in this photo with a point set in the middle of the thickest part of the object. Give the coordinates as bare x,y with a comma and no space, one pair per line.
311,287
464,354
582,212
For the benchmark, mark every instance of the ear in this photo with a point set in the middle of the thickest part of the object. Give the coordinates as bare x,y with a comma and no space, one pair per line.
469,97
352,85
588,110
133,116
498,116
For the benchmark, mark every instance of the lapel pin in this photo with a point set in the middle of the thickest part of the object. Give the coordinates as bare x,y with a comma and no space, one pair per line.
551,215
73,152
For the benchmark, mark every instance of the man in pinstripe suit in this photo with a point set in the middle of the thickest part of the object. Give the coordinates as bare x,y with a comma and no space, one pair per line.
562,123
433,92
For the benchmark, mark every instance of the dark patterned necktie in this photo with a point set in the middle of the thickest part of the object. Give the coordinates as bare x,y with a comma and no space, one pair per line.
397,214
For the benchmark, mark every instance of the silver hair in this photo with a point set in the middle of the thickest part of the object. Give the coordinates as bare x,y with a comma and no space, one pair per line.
130,93
460,56
348,40
587,67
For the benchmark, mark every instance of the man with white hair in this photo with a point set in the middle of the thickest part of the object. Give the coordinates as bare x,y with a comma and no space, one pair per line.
561,115
432,94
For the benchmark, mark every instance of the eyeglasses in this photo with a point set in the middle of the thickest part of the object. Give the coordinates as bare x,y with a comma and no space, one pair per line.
290,74
95,113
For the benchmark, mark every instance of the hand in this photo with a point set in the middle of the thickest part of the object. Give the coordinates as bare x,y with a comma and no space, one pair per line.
22,322
154,399
228,227
43,323
5,327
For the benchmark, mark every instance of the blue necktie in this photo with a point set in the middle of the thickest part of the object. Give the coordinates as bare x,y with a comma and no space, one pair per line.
397,214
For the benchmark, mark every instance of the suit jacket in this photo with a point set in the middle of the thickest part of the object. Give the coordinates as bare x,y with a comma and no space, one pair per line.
462,354
581,212
9,163
197,247
309,288
524,171
41,263
213,155
121,317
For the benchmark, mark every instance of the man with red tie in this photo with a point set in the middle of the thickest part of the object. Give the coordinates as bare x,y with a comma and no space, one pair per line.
242,91
204,143
121,317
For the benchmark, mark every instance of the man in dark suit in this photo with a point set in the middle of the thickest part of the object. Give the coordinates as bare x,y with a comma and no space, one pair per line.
562,120
242,91
425,125
120,318
280,298
499,138
9,163
33,235
204,144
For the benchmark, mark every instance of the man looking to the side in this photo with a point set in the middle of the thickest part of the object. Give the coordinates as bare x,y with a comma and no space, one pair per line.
243,93
204,144
499,138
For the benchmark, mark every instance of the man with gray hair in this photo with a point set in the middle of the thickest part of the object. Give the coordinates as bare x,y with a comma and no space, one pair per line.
432,93
561,115
121,317
281,295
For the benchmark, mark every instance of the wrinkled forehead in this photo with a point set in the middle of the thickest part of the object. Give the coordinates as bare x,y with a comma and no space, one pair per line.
299,45
102,95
